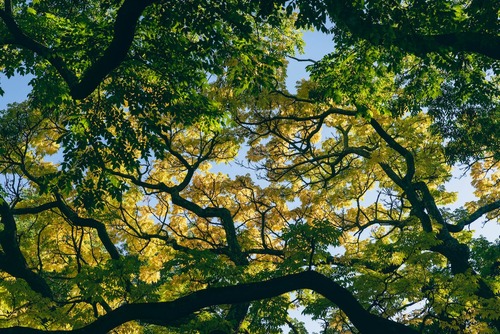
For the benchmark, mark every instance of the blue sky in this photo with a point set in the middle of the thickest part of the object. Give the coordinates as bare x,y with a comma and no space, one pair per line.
16,89
317,45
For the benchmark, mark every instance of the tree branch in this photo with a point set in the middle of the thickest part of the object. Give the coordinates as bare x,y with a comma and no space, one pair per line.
34,210
124,30
473,217
410,161
89,222
19,38
12,259
168,312
419,44
227,221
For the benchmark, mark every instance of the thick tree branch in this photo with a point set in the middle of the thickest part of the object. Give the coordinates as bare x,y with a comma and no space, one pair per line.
12,259
425,208
34,210
475,42
124,30
424,205
126,21
209,212
419,44
168,312
19,38
8,7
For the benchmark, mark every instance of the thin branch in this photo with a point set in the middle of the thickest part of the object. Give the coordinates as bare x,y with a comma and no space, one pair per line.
309,60
474,216
410,161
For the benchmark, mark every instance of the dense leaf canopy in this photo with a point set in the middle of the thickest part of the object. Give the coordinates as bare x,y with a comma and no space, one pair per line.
161,178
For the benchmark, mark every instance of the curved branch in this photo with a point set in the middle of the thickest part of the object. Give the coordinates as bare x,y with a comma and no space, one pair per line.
124,30
168,312
227,221
410,161
309,60
89,222
474,216
224,214
19,38
475,42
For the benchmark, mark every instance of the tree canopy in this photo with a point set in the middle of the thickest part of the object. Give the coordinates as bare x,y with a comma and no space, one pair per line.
161,178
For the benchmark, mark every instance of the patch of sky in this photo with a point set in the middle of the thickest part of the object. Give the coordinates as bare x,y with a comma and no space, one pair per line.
16,89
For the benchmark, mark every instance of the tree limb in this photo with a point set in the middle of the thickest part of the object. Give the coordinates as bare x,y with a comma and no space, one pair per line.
126,21
410,161
34,210
473,216
167,312
124,30
89,222
419,44
12,259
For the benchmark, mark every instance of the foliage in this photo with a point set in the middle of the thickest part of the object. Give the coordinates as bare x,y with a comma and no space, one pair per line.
161,179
